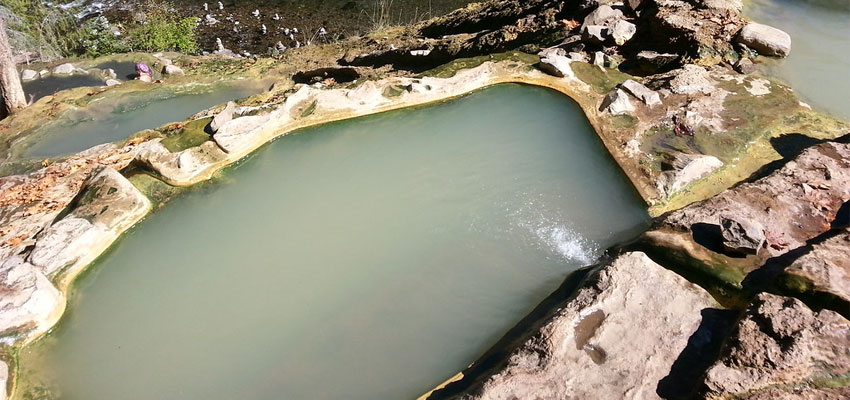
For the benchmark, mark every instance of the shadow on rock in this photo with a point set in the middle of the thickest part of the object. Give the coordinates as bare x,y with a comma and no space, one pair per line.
702,350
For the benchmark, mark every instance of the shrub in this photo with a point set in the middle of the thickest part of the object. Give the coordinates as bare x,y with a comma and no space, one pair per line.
34,27
162,30
99,38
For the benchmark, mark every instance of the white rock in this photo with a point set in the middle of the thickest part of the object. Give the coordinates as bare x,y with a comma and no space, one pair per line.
556,65
602,15
28,75
765,39
64,69
43,73
622,31
112,82
223,117
172,70
61,244
686,169
29,301
598,58
595,34
645,94
240,133
617,102
691,79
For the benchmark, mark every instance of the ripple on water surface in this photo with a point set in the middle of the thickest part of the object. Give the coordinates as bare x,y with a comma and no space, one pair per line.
369,259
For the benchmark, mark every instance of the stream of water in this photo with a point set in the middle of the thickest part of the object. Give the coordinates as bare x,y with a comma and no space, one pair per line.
818,68
367,259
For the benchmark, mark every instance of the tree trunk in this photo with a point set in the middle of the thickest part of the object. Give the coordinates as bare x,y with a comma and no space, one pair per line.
11,92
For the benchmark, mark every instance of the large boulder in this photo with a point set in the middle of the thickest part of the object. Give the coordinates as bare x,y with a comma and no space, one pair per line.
28,301
617,337
765,39
595,34
241,133
780,343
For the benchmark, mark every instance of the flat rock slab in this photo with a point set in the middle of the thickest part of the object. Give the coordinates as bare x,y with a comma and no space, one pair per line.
780,341
617,337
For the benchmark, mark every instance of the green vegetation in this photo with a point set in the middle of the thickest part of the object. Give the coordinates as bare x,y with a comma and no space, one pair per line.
53,32
34,27
162,30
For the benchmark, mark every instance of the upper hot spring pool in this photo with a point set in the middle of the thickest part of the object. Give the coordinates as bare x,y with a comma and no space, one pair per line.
368,259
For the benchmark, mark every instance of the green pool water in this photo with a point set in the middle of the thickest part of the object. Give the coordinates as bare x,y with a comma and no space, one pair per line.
367,259
117,119
818,67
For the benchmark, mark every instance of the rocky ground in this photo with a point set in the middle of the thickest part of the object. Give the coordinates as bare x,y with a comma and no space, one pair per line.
752,185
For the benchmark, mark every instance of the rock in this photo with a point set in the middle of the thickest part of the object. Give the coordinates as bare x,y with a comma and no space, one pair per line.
794,204
654,61
617,337
683,170
4,379
602,15
110,73
635,5
108,205
598,59
767,40
622,31
594,34
112,82
721,5
241,133
557,65
43,73
617,102
170,69
61,244
780,343
28,75
164,61
741,236
645,94
745,66
64,69
825,268
222,117
691,79
28,300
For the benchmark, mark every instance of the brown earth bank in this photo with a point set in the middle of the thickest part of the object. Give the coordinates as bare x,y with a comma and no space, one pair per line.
753,182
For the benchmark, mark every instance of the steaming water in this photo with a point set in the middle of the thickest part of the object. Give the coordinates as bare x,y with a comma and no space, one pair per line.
819,65
98,124
370,259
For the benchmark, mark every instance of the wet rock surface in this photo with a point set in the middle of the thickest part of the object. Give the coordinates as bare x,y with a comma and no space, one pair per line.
780,341
617,337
